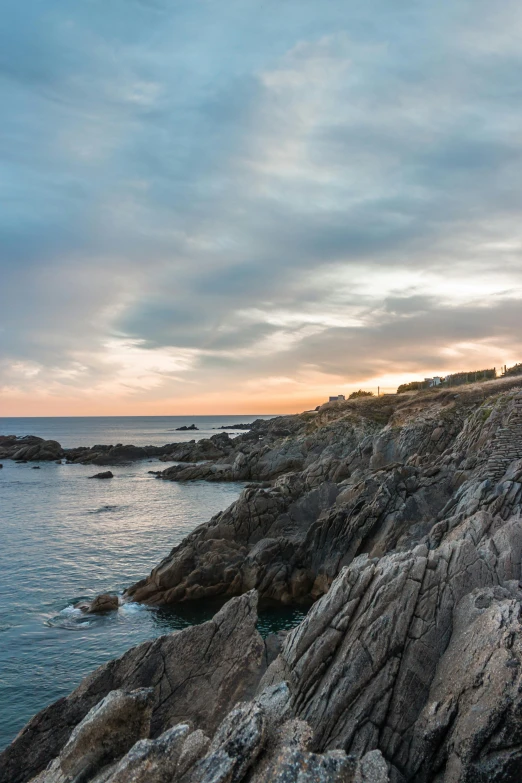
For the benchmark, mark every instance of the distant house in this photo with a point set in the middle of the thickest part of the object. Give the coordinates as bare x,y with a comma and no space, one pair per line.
431,382
337,398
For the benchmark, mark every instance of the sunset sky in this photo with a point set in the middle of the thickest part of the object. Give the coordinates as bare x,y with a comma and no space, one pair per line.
243,207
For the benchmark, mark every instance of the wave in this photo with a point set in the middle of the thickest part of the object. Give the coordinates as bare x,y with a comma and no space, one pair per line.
73,619
103,509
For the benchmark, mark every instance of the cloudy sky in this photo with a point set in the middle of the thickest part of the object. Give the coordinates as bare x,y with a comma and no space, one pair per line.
243,206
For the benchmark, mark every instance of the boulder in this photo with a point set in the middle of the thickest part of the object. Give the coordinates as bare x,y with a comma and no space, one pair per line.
104,475
101,604
108,731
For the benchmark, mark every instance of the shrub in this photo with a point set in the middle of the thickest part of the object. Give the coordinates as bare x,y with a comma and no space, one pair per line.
413,386
515,370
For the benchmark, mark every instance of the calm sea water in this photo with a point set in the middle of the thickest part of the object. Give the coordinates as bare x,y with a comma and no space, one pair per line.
73,431
65,538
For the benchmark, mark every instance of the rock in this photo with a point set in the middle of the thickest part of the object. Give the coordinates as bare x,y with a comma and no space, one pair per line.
372,768
30,448
152,761
187,429
355,486
296,766
471,720
236,426
194,748
214,448
101,604
35,467
107,732
104,475
235,747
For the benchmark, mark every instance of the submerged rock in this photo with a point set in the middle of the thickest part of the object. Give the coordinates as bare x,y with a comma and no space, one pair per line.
101,604
104,475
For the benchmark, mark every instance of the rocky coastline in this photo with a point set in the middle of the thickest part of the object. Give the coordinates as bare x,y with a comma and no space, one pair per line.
400,519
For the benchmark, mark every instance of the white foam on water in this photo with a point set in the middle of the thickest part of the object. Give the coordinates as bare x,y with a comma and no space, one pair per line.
134,608
71,611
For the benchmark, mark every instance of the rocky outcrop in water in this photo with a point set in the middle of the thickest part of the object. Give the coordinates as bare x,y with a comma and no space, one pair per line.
34,449
29,448
403,523
100,605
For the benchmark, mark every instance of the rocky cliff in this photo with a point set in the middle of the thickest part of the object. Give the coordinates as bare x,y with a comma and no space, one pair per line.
400,518
369,476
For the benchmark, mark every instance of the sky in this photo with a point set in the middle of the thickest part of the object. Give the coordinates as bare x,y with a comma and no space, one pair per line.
245,206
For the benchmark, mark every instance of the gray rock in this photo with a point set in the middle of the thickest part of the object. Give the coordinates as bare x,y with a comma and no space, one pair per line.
108,731
372,768
195,747
152,761
296,766
235,747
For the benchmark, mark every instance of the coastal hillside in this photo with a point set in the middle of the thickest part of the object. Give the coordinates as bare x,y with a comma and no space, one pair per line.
367,476
398,520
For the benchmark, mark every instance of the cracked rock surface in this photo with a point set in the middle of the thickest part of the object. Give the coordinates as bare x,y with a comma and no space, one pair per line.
365,476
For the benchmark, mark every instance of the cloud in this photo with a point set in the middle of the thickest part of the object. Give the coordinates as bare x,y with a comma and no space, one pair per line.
274,198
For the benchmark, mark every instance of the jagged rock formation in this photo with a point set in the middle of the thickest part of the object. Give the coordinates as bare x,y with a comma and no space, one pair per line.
403,522
373,476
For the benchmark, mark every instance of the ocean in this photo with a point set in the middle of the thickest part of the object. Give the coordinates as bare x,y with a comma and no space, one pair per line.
65,538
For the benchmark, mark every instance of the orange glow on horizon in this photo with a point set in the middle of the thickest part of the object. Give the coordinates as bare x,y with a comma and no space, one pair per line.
285,400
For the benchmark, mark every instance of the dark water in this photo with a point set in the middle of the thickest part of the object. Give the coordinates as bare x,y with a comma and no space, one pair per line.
63,538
